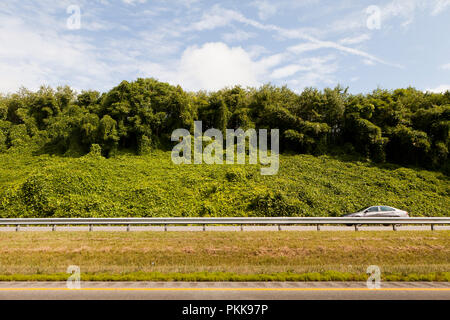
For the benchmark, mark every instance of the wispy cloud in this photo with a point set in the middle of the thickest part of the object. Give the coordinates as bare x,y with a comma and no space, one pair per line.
354,40
321,66
265,8
440,6
441,88
238,36
214,19
181,42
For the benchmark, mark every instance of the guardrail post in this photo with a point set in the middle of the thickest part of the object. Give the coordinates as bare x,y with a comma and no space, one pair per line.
128,228
318,227
432,227
54,227
242,227
18,228
91,227
279,227
394,227
165,227
356,227
204,227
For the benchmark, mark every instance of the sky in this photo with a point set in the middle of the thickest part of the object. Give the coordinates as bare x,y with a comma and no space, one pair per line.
209,45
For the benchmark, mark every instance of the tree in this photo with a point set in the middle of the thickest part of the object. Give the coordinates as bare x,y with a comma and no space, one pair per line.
365,136
408,146
108,135
44,106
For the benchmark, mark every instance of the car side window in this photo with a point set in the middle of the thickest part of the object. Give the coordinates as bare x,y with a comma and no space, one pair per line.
384,208
372,209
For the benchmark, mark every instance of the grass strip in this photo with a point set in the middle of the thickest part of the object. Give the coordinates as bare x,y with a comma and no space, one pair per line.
226,256
225,276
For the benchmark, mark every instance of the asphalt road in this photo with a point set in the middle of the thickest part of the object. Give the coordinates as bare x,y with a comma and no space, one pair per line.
225,291
224,228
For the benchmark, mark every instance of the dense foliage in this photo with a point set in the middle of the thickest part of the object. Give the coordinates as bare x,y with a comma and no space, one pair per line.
64,154
152,186
404,126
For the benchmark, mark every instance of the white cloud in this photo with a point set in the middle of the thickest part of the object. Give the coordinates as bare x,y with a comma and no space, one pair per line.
41,57
265,8
309,71
214,66
354,40
318,66
41,51
350,22
445,66
315,44
287,71
406,9
440,89
440,6
271,61
320,71
403,11
238,36
219,17
256,51
368,62
305,47
215,18
134,1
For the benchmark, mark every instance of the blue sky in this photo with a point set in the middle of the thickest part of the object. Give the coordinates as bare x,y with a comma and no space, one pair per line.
207,45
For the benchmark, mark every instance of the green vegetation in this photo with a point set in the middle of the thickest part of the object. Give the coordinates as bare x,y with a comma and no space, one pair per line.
152,186
404,126
64,154
226,256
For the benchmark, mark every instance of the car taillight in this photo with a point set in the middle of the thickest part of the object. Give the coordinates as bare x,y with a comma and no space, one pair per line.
407,214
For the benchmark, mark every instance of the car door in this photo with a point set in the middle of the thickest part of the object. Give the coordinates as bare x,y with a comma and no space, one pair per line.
386,211
372,212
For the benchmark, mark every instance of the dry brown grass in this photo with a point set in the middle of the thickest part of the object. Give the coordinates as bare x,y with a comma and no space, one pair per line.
236,252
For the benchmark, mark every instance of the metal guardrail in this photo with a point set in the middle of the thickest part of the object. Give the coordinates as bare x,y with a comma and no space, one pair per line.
394,221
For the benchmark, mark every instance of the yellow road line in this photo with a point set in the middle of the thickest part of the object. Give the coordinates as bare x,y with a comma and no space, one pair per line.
225,289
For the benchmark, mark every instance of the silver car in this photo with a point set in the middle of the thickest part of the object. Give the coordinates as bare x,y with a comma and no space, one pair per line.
378,211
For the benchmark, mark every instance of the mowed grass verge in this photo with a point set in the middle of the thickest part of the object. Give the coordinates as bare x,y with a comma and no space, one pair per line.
226,256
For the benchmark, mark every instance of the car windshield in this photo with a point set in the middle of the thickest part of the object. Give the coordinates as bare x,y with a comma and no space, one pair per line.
362,209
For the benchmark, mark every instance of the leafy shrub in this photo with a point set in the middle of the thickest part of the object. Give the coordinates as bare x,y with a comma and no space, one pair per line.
151,185
145,145
18,136
34,195
235,175
206,210
96,151
273,204
3,146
